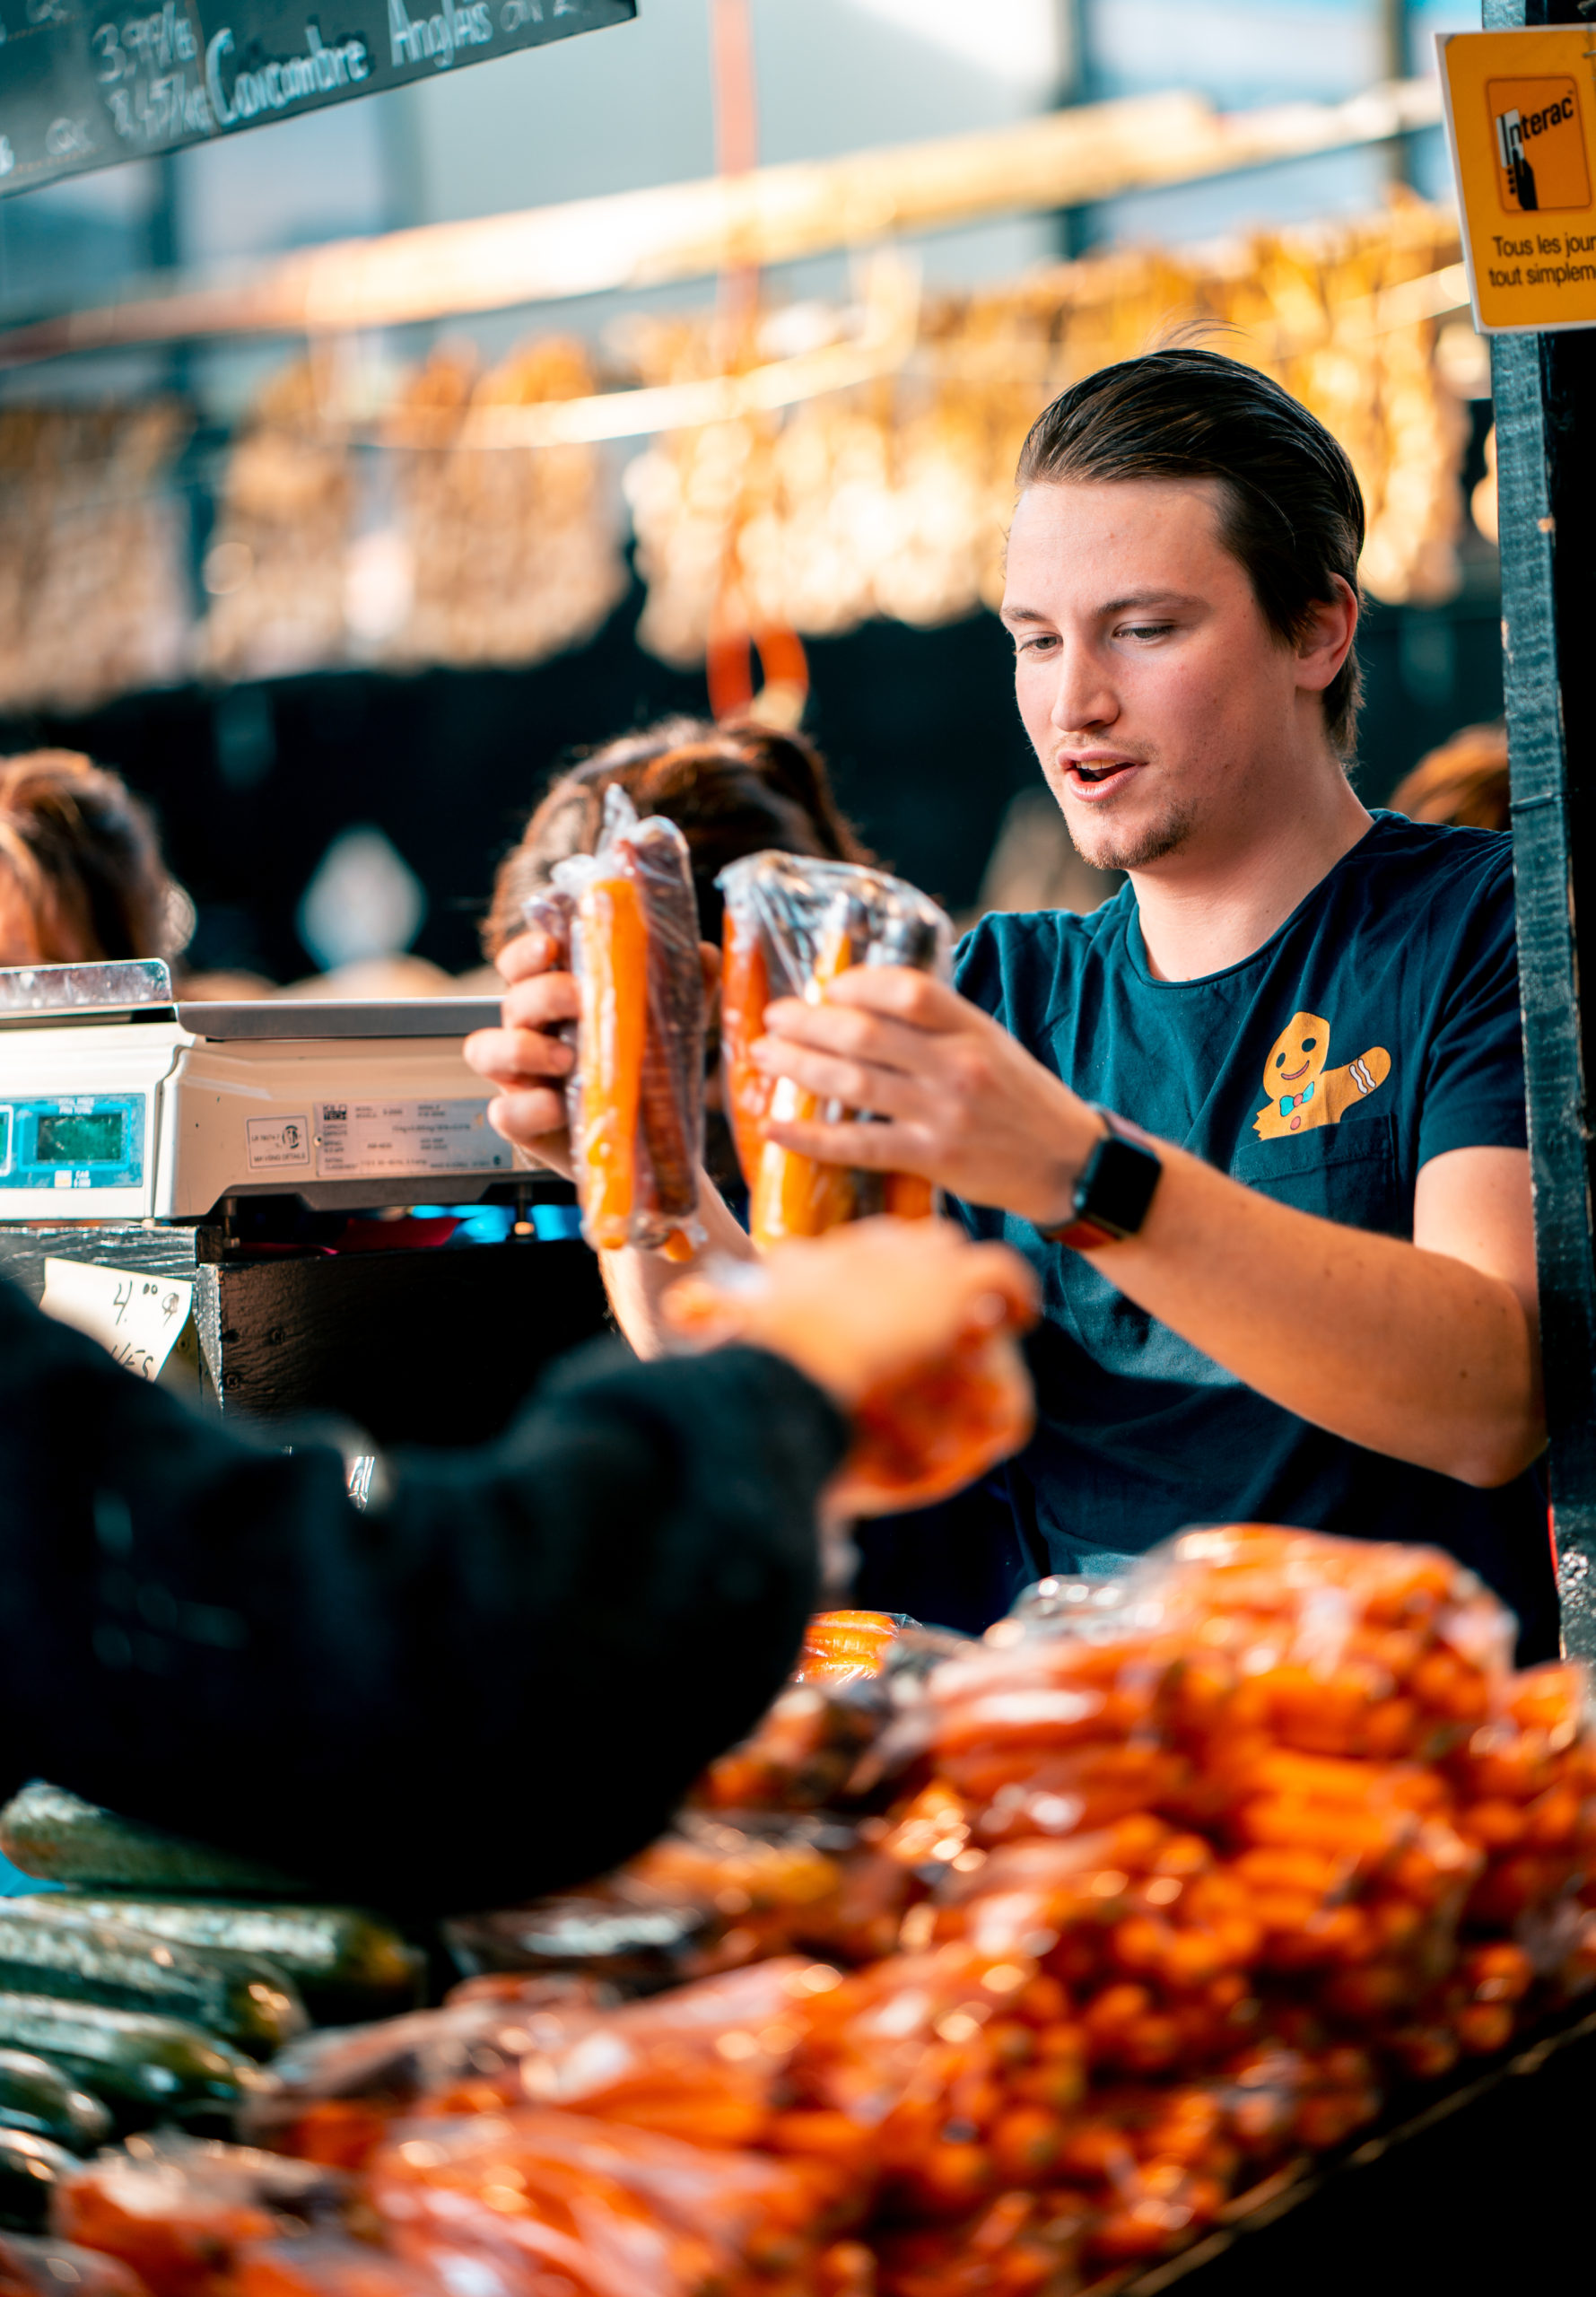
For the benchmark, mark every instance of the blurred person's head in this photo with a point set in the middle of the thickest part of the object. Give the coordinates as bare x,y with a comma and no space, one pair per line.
1463,783
81,874
1183,592
730,790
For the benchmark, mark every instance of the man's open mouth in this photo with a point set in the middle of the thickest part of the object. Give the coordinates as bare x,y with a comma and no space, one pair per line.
1087,776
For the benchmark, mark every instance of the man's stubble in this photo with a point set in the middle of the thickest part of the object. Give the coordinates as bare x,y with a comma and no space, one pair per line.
1137,848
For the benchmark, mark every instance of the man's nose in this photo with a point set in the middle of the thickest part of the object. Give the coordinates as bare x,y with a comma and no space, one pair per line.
1082,696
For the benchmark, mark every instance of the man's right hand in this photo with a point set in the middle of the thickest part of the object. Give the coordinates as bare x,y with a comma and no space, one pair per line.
524,1056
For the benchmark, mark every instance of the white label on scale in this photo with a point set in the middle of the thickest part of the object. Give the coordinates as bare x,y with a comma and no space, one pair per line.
356,1139
277,1141
137,1317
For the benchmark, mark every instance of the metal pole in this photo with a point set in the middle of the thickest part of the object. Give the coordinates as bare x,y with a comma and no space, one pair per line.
1073,18
1546,487
1395,41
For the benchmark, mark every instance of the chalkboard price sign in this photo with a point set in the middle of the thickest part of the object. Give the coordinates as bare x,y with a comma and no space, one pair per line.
83,84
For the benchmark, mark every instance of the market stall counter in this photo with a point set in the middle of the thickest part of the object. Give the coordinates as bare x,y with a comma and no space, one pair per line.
1228,1924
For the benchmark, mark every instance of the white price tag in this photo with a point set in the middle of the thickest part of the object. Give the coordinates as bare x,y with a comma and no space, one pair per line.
138,1318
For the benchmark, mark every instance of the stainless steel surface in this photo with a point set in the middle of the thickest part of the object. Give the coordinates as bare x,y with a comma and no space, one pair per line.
287,1019
116,987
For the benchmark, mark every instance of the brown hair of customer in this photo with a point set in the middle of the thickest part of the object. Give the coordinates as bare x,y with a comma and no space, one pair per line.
1464,783
85,857
731,789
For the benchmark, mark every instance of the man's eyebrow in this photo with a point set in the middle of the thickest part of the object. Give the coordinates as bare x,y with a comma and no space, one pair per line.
1129,603
1142,598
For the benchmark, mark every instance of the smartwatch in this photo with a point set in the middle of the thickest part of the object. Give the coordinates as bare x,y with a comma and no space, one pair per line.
1113,1192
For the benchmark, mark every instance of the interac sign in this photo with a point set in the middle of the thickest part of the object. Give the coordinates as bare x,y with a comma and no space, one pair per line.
1520,110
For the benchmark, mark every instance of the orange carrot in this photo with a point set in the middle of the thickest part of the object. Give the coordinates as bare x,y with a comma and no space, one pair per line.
794,1196
909,1197
613,1033
744,992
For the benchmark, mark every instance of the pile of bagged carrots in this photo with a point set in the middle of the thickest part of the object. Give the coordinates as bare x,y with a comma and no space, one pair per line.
1002,1967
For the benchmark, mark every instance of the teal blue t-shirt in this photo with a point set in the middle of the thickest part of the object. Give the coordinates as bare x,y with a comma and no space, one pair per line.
1376,1028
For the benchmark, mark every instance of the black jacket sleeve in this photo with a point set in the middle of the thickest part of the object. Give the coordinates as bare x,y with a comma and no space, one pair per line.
498,1680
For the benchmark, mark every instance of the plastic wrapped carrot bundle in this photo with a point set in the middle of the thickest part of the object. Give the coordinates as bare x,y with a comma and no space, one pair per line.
905,2065
786,1883
800,1754
928,1430
848,1647
1054,1736
606,2207
1376,1650
637,1092
43,2266
1525,1781
1155,1946
663,2064
335,2094
178,2209
1020,2245
329,2265
934,1428
618,1934
771,1879
792,926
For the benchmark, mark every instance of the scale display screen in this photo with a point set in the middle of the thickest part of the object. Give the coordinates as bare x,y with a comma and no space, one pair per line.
95,1139
81,1140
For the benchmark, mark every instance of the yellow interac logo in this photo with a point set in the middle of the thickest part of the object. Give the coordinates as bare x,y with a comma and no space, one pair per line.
1520,111
1541,144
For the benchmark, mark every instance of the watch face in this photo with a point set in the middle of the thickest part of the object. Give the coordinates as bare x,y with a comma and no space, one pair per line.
1117,1186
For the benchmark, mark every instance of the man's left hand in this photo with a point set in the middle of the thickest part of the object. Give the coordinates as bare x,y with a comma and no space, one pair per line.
962,1103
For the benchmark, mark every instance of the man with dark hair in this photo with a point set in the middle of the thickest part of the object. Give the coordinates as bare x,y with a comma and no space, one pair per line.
1258,1121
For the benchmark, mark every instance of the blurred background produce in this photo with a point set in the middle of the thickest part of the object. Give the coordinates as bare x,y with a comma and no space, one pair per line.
305,592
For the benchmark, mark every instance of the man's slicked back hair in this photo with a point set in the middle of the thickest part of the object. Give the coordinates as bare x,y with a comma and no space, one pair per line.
1292,511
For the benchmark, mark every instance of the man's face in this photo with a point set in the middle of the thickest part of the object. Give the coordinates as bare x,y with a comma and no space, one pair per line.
1155,694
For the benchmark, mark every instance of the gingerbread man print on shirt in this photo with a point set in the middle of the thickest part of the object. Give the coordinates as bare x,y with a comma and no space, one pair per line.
1301,1091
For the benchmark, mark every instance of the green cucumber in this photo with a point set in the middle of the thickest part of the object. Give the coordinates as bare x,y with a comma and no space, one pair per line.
37,2096
348,1964
31,2169
145,2068
243,1999
58,1838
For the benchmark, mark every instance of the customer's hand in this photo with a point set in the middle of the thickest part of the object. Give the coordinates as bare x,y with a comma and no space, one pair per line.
964,1103
861,1308
525,1056
530,1055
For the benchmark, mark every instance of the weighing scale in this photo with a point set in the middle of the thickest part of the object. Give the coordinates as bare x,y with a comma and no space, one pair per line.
264,1152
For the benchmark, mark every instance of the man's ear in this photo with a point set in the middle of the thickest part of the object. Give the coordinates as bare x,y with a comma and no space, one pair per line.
1329,629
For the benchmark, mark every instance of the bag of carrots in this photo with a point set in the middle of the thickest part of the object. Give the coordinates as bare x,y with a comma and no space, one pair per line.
636,1094
793,925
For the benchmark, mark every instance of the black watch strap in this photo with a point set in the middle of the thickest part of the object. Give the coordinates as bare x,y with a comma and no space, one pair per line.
1114,1190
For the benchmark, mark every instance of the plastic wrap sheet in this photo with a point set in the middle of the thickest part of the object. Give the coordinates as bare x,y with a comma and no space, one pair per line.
792,926
637,1095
